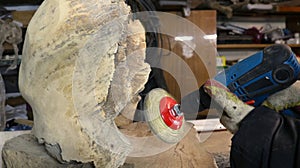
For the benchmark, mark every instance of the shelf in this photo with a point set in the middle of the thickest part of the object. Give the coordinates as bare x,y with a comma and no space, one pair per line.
249,46
289,9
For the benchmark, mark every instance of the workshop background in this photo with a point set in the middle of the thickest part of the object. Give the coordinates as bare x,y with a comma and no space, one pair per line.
237,29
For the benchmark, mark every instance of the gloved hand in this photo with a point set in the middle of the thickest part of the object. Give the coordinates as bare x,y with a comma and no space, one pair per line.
234,109
284,99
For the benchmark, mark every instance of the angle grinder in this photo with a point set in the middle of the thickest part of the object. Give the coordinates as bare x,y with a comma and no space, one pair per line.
252,80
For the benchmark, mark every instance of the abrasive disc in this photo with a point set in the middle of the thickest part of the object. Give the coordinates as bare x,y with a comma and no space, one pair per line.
155,120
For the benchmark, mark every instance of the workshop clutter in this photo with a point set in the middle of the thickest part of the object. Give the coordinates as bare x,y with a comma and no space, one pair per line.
11,37
232,34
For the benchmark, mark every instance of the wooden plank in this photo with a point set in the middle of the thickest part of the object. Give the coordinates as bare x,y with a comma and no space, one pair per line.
289,9
201,66
23,16
241,46
249,46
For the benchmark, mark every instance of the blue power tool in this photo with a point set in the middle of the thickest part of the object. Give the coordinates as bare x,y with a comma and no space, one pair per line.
262,74
252,79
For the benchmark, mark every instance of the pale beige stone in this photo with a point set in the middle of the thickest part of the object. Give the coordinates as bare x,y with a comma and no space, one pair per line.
6,135
83,63
24,151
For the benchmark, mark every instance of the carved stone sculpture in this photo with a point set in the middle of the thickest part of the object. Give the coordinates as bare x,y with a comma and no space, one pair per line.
83,64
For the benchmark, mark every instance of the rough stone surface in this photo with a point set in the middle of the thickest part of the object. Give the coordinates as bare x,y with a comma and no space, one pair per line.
6,135
83,64
188,153
25,151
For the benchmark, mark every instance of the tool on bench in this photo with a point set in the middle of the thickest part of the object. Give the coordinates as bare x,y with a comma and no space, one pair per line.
252,80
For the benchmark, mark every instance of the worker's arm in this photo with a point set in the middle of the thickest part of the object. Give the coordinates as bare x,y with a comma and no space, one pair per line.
262,136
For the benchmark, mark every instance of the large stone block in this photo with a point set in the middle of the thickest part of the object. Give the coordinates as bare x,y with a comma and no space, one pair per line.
83,64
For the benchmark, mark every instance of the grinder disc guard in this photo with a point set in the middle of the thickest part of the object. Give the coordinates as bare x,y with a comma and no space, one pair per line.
163,116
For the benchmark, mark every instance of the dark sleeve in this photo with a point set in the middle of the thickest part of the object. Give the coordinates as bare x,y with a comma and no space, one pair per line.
266,139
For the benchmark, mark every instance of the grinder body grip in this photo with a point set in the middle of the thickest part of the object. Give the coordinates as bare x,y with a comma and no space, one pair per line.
252,79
